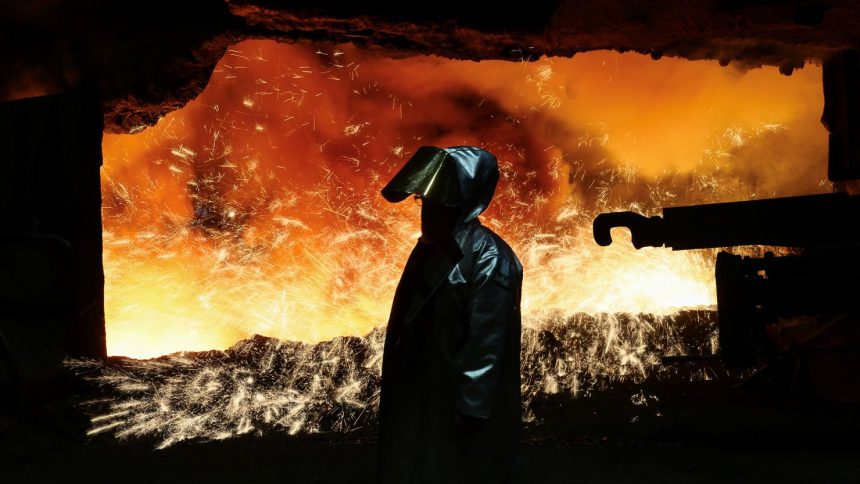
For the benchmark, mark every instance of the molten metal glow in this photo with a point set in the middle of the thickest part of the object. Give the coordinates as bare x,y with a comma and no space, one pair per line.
256,207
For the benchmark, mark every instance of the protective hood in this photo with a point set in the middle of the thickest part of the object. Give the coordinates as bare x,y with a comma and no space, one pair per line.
459,175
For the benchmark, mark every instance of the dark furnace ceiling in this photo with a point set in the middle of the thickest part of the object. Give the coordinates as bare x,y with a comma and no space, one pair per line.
150,58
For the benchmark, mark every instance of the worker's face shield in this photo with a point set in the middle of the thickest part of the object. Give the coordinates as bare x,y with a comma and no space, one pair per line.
429,174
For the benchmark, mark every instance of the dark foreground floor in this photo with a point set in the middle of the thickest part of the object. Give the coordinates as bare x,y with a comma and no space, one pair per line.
693,432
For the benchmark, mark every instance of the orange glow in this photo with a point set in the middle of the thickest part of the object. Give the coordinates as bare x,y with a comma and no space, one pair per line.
256,207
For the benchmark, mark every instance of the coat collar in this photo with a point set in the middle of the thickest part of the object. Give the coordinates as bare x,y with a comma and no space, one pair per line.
443,259
463,232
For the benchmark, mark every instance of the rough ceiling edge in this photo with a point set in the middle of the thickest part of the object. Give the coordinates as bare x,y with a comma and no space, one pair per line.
788,47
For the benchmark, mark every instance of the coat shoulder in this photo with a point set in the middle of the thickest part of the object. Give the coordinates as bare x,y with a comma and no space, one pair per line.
485,241
490,250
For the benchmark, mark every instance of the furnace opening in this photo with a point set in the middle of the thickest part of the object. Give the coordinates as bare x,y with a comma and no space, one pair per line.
255,209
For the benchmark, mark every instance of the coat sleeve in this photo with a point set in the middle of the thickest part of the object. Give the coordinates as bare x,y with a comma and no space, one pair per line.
490,306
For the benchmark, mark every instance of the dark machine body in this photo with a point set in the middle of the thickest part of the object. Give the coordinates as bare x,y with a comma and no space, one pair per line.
755,293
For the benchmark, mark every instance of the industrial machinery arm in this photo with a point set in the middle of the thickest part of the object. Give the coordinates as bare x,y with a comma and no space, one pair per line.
788,222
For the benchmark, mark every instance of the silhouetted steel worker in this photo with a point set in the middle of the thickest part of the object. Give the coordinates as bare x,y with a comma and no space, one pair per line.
450,403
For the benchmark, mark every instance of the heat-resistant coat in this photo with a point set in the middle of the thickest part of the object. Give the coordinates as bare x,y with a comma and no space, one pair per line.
453,346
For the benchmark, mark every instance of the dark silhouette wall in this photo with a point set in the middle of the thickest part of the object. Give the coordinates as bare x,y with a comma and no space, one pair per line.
50,151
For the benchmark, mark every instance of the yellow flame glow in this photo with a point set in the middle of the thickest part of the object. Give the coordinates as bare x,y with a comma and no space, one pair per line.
256,208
